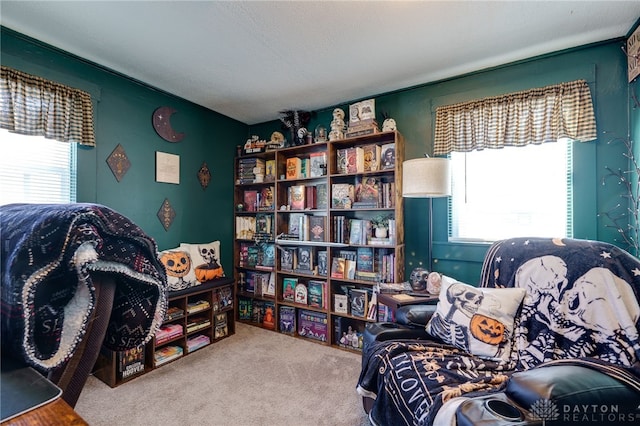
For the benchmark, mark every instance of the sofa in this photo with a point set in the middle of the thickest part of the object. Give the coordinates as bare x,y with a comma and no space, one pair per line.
548,336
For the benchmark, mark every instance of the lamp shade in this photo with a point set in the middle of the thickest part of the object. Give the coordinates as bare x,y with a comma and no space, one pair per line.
427,177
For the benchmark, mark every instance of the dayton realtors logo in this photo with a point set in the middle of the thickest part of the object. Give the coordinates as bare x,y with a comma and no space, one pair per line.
548,411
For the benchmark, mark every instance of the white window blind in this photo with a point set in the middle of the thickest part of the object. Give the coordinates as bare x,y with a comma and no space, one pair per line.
36,170
511,192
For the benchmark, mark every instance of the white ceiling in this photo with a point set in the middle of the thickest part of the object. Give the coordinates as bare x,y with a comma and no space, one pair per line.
250,60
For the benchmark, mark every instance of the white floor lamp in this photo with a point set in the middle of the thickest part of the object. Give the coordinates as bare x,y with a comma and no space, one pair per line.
428,177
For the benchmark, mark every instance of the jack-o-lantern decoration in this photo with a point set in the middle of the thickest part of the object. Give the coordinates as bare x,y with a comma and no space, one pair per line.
486,329
205,272
177,263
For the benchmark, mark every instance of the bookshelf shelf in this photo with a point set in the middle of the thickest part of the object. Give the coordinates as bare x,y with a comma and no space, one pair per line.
218,320
309,228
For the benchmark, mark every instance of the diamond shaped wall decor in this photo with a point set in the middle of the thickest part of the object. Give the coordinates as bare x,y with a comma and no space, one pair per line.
204,175
118,162
166,214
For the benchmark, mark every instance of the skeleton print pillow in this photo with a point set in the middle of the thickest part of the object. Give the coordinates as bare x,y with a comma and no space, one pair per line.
477,320
205,259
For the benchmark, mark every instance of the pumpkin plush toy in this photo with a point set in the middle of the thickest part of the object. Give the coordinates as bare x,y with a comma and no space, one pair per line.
177,264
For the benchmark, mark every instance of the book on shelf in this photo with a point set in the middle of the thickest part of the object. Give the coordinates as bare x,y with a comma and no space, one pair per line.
321,196
270,170
295,219
245,227
220,328
196,342
341,303
130,362
388,156
250,198
348,333
167,353
257,311
297,195
356,232
289,289
341,161
265,196
337,267
173,312
304,168
266,255
197,306
322,263
269,317
224,296
253,252
364,259
350,269
301,294
287,319
245,308
305,259
367,191
287,258
372,308
318,164
317,228
358,302
371,157
311,197
312,325
168,332
195,324
293,168
268,284
355,160
317,294
264,223
342,195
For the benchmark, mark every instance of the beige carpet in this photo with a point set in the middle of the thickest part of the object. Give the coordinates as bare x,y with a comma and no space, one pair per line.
255,377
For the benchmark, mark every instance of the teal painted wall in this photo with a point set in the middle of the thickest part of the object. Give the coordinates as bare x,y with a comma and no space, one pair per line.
123,111
602,65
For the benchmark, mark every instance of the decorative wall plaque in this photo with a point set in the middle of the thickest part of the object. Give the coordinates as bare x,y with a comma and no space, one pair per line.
118,162
166,214
204,175
167,167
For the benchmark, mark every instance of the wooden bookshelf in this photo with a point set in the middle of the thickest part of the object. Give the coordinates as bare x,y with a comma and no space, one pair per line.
302,203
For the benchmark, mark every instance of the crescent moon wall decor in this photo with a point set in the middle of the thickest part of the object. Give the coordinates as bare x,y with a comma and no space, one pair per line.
162,124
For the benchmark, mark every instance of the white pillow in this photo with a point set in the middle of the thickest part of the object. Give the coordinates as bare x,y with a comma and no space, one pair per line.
477,320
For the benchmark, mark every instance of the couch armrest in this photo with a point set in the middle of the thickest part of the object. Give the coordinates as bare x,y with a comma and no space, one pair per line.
570,385
415,315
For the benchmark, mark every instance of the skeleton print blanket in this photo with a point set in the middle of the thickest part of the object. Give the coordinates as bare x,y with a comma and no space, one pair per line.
48,296
581,303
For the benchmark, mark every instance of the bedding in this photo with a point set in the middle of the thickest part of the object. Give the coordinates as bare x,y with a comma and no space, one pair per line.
49,254
580,306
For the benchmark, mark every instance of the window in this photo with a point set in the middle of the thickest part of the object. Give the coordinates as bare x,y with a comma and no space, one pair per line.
36,170
511,192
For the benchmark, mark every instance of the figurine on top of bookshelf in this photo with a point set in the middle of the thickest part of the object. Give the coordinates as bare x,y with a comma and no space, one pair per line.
320,134
277,141
389,124
337,125
254,144
293,120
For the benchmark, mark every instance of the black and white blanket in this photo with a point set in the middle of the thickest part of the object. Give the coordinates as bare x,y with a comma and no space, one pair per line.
581,306
48,296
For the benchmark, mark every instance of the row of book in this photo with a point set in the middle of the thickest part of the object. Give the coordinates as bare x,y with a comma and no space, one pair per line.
368,158
258,199
360,231
302,197
303,259
260,312
259,227
250,170
315,165
355,301
368,192
312,293
259,256
258,283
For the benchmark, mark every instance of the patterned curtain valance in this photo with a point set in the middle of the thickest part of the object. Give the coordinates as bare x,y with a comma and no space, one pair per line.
31,105
529,117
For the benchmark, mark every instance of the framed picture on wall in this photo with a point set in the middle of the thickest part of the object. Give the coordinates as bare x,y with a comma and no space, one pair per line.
167,168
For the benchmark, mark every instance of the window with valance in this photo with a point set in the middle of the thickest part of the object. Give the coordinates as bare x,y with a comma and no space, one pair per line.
536,116
31,105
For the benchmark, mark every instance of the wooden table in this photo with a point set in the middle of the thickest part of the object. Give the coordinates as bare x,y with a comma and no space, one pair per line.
396,300
57,412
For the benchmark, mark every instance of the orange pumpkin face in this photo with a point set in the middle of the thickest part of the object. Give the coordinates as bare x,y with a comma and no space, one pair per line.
487,330
205,272
177,263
